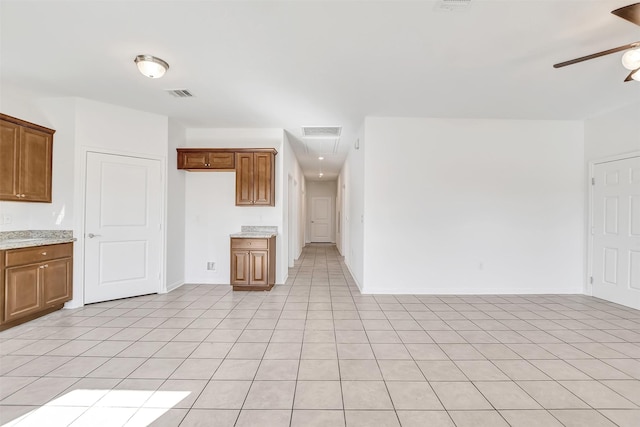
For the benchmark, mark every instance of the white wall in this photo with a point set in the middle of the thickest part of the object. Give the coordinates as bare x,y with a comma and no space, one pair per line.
210,210
58,114
113,129
472,206
294,183
352,176
322,189
175,243
339,212
614,133
80,125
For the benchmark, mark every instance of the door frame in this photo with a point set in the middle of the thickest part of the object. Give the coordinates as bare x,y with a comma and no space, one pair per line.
588,286
80,201
332,236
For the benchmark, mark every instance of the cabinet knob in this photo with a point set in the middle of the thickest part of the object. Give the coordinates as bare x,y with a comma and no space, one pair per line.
44,266
44,253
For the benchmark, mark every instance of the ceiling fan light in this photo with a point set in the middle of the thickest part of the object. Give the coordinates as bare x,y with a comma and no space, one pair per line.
151,66
631,59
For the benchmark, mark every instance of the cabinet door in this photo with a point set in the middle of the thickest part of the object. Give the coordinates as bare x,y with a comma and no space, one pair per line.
193,160
221,160
9,154
239,267
35,165
22,291
259,268
263,179
56,281
244,179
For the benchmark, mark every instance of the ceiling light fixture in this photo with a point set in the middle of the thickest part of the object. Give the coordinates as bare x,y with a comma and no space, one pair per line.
320,158
631,59
151,66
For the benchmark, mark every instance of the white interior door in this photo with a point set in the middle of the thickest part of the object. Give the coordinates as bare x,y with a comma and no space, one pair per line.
321,219
123,216
616,231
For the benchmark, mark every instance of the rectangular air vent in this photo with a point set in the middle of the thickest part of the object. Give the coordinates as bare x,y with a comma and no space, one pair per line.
452,5
321,131
180,93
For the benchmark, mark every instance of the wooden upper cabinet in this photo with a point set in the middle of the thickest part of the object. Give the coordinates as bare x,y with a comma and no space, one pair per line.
255,178
25,160
9,151
263,177
255,170
244,179
195,159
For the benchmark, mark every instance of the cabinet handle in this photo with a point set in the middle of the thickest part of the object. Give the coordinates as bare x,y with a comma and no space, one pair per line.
44,266
91,235
44,253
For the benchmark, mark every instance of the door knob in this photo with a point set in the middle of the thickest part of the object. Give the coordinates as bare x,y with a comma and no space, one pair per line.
91,235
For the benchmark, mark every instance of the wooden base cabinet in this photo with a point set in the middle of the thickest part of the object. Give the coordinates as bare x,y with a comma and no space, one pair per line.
36,281
253,264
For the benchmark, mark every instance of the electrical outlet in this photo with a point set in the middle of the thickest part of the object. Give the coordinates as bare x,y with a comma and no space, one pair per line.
211,266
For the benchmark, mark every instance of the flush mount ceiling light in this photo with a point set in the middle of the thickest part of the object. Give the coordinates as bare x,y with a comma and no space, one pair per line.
151,66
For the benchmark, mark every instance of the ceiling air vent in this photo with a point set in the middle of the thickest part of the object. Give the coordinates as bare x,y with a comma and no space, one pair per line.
321,131
180,93
452,5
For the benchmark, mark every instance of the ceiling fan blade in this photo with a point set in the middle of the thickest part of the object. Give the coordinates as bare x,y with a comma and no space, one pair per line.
630,76
597,55
631,13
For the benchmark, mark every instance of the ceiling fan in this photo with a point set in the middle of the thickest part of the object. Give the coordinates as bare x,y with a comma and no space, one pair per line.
631,58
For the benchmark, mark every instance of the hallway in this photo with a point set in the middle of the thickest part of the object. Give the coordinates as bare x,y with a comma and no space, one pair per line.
316,353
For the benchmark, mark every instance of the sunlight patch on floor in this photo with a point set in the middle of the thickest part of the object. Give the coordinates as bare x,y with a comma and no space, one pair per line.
130,408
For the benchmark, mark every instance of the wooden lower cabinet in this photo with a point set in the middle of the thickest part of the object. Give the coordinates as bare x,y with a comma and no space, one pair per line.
253,264
23,292
35,281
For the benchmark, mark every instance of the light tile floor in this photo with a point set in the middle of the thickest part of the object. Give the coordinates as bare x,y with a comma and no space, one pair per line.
315,352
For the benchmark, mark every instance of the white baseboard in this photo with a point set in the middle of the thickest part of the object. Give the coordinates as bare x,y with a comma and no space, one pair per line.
472,291
353,276
175,285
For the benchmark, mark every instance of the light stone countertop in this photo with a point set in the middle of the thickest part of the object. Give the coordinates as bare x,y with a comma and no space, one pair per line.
256,232
252,235
32,238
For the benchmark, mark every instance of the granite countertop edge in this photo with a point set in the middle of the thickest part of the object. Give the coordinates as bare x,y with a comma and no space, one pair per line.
31,238
252,235
9,244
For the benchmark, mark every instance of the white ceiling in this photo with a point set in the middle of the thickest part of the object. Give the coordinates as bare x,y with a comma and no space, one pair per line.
268,64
